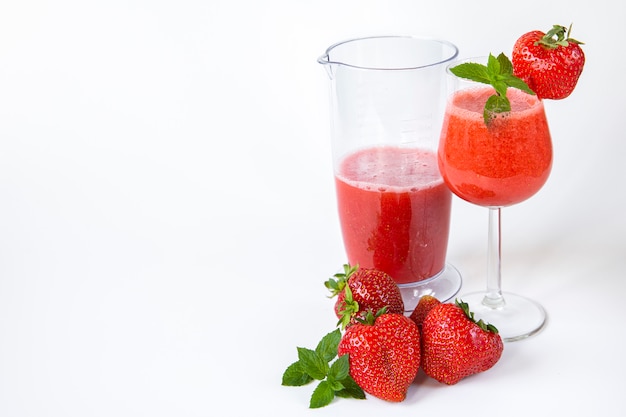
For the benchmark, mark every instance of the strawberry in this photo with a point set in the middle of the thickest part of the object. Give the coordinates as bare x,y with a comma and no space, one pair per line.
455,345
424,305
550,66
362,289
384,354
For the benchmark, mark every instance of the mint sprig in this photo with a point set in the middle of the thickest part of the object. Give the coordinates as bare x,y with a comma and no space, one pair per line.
318,364
499,74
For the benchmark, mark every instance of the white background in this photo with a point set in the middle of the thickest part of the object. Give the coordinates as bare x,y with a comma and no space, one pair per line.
167,212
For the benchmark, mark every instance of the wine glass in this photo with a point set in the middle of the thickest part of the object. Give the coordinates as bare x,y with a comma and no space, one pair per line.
496,165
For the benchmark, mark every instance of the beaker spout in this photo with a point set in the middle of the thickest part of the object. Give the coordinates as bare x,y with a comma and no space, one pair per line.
328,66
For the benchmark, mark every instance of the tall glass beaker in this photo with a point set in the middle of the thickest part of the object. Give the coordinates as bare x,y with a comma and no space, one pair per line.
387,98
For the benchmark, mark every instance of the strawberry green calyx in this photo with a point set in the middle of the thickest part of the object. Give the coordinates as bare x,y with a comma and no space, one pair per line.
499,74
549,41
339,284
370,318
470,315
340,280
349,309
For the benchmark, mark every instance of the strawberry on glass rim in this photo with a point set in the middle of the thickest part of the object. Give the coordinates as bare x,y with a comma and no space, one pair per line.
550,63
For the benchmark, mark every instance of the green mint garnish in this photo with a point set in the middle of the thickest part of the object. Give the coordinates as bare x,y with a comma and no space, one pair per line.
313,363
318,364
499,74
327,347
294,376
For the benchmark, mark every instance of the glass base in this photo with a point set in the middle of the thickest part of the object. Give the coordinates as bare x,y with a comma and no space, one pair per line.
515,318
442,286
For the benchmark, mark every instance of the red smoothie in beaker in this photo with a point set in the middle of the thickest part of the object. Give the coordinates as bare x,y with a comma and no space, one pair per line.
394,210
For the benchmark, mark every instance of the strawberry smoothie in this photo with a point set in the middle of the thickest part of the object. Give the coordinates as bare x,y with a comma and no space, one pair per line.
394,210
500,165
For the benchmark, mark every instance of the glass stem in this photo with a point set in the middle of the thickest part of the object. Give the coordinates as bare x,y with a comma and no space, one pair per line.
493,297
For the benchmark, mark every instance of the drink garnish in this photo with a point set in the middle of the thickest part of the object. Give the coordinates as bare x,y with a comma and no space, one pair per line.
550,62
499,74
318,364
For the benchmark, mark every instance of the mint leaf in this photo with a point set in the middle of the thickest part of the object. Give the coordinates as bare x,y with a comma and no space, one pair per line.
340,369
350,389
493,65
294,376
515,82
500,87
335,379
312,363
322,395
495,106
499,74
506,66
327,347
335,385
472,71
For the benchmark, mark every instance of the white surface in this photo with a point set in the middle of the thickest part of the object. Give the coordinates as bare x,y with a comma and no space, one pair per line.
167,212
